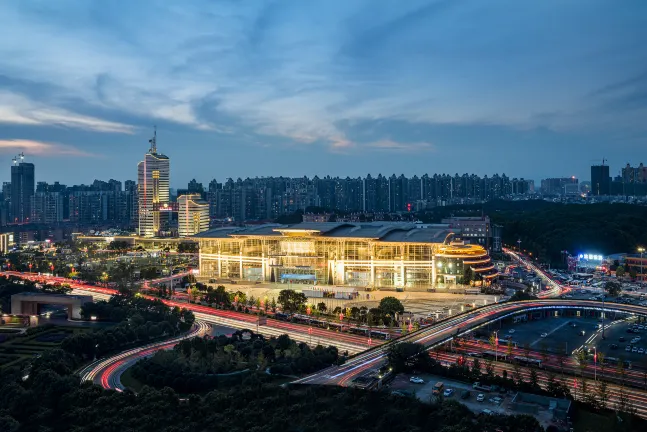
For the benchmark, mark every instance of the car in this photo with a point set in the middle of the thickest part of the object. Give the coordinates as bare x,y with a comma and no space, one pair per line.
544,335
628,348
487,412
448,392
511,331
480,397
641,350
622,339
637,338
613,346
634,349
416,380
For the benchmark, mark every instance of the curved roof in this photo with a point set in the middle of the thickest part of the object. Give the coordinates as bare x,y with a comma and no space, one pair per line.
395,232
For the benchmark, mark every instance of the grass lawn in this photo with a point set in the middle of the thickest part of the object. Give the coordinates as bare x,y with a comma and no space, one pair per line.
129,381
22,348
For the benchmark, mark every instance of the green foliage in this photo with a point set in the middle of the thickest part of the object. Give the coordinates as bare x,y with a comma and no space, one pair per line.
620,271
613,288
140,320
291,301
390,306
198,365
118,246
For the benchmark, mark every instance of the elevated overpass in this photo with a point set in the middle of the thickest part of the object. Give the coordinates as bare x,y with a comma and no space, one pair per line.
459,325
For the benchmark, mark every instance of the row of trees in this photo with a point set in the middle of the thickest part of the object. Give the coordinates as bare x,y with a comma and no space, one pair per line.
53,399
410,357
202,364
140,320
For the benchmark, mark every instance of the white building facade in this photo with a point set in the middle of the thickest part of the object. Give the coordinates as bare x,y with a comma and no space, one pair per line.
193,215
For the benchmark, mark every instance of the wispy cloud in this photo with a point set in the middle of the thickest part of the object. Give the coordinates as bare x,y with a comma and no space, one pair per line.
390,145
17,109
41,148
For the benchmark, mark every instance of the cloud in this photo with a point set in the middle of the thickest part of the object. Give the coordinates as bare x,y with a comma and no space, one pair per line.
40,148
390,145
17,109
300,71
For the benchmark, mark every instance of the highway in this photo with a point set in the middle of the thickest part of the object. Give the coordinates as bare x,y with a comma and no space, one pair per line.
107,371
237,320
459,325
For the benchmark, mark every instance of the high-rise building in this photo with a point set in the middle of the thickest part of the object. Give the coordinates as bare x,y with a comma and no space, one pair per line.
193,215
22,189
600,180
559,186
153,180
47,207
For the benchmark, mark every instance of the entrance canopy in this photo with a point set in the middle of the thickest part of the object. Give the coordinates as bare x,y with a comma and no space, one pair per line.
299,276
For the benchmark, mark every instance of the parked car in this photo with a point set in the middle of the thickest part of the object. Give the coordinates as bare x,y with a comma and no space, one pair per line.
544,335
641,350
634,349
613,346
448,392
416,380
511,331
480,397
622,339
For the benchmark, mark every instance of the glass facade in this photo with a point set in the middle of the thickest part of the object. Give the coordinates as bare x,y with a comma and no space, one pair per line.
361,262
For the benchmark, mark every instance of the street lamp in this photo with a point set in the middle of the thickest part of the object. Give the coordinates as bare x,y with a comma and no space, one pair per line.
641,250
595,362
496,345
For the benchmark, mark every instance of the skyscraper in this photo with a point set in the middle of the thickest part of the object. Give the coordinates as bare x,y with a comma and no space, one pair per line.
153,179
22,189
193,215
600,180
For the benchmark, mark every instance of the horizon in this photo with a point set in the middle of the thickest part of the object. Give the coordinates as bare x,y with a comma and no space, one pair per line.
336,88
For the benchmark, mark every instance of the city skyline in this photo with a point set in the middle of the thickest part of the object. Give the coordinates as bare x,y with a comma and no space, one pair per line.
340,89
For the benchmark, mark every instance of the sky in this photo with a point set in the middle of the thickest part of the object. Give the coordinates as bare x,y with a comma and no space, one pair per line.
531,89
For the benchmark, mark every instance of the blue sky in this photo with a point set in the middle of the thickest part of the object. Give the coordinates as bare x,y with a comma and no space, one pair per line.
340,87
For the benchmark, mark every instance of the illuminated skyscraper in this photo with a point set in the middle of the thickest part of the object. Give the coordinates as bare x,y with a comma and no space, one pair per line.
193,215
22,189
153,179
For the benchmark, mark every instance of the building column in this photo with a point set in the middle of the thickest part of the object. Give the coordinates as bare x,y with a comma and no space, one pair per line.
372,272
402,274
263,267
240,263
219,265
433,271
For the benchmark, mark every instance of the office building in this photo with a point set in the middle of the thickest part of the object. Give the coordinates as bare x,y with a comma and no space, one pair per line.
22,189
560,186
6,242
193,214
474,230
600,180
153,179
376,255
47,207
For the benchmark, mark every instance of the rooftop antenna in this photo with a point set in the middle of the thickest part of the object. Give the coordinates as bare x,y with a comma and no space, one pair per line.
153,141
15,161
22,156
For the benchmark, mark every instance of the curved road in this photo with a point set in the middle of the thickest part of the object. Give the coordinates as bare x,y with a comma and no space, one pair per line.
107,372
441,332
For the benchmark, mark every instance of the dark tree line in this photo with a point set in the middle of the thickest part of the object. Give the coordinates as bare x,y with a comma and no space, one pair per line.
140,320
200,364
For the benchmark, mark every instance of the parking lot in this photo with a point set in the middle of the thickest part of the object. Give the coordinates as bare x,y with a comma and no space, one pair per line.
424,391
561,334
618,339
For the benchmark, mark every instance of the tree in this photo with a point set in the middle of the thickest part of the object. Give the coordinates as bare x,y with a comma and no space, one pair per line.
489,368
321,307
613,288
476,369
633,273
509,350
516,373
600,361
603,394
620,271
534,379
391,306
291,301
